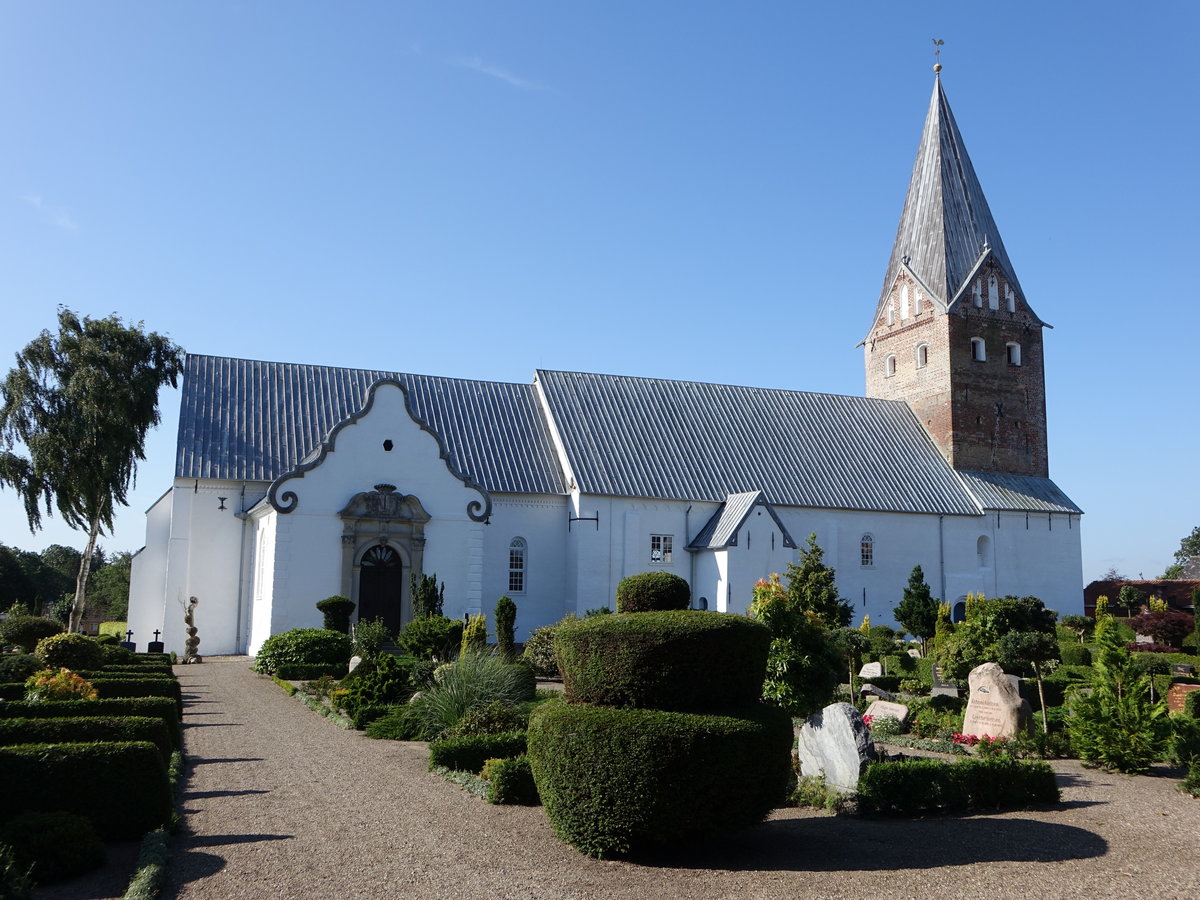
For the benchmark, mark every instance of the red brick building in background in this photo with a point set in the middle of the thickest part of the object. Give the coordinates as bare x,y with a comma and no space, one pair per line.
1178,595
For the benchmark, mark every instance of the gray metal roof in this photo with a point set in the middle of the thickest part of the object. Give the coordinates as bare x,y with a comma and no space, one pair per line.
722,529
248,420
946,227
647,437
1019,493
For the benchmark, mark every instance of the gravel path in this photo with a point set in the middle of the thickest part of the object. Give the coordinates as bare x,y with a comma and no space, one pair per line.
280,803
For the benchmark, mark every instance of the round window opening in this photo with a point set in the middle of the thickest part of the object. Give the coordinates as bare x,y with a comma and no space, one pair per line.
387,445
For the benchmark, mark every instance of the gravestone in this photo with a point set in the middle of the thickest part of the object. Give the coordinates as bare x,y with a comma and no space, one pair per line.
886,708
942,688
1176,694
914,653
1182,669
355,662
995,707
871,670
835,743
155,647
879,692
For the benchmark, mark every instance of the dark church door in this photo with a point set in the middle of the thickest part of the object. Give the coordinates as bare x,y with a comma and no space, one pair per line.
380,586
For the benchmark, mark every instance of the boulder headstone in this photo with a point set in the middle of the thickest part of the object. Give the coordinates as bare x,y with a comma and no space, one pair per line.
835,743
871,670
995,707
886,708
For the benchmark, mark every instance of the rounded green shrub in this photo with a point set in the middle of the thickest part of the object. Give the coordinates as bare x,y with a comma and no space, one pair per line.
17,666
677,660
306,646
431,637
1075,654
57,845
26,631
388,682
510,781
615,781
336,611
69,651
652,591
496,717
539,650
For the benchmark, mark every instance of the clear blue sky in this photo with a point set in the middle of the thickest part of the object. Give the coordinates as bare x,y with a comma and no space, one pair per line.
699,191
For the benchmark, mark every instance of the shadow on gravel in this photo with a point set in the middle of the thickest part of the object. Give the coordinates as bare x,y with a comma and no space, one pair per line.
188,866
849,844
212,725
224,840
201,761
205,795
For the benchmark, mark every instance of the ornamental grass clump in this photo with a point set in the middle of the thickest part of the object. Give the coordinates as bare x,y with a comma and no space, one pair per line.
475,679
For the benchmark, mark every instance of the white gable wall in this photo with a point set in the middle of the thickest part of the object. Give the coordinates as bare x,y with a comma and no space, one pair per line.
148,574
542,521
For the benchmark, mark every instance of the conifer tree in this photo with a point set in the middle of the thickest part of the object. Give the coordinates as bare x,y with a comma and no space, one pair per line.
917,612
812,587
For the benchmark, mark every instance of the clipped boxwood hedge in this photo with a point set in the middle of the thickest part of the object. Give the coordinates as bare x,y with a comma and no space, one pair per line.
468,754
310,671
154,686
929,785
650,591
510,781
303,646
614,781
156,707
80,729
12,691
680,660
111,670
121,787
53,845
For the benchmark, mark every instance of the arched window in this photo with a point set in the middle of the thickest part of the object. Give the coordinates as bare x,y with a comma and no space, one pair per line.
1010,298
516,566
993,293
889,365
983,549
867,550
904,302
922,355
917,303
891,314
977,295
1013,353
978,350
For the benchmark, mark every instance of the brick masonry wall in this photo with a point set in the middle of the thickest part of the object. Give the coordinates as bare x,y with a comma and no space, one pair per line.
985,415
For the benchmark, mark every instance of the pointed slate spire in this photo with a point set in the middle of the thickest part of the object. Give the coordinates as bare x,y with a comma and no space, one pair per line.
946,229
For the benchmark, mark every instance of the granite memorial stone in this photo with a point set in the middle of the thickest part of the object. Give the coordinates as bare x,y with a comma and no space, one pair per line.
995,707
836,743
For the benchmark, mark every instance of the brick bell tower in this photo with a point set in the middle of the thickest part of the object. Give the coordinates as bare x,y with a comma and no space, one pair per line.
953,335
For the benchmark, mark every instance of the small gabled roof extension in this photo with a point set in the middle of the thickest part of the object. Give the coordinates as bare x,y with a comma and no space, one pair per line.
722,529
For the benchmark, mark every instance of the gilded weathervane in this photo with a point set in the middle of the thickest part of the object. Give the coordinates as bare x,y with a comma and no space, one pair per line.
937,55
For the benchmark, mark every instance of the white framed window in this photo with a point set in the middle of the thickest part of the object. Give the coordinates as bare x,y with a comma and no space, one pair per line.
516,565
866,550
1012,352
921,355
891,314
978,350
661,548
889,365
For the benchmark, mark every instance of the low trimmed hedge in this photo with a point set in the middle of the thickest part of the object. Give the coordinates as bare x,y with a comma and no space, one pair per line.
13,690
310,671
929,785
122,788
113,669
53,845
614,781
680,660
303,646
468,754
81,729
124,688
1191,704
156,707
510,781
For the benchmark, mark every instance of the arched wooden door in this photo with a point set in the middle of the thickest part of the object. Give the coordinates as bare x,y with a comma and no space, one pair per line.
381,587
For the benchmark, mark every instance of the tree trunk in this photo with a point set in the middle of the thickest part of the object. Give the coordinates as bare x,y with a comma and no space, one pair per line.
1037,672
81,580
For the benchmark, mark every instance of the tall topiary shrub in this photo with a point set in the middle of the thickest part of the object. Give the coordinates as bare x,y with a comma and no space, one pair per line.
474,636
618,780
336,611
506,620
652,591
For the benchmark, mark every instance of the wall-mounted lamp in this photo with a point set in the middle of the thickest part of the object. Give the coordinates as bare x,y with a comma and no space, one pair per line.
222,499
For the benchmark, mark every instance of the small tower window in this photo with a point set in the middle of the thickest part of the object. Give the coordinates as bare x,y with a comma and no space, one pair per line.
977,295
917,303
978,350
922,355
1013,353
983,549
891,314
516,566
889,365
993,293
905,305
867,550
1010,298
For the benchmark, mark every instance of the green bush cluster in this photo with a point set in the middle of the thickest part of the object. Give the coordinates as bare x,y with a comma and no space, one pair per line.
16,667
87,728
53,846
153,686
680,660
15,883
616,780
510,781
1074,653
381,682
917,786
14,690
306,646
1191,704
539,649
152,707
474,638
652,591
468,754
69,651
1183,741
431,637
122,788
336,611
370,636
26,631
496,717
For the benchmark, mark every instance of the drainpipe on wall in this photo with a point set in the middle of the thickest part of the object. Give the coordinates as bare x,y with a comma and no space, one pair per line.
241,576
687,537
942,556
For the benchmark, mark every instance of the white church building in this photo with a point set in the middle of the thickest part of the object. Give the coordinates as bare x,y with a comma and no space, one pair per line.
297,482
